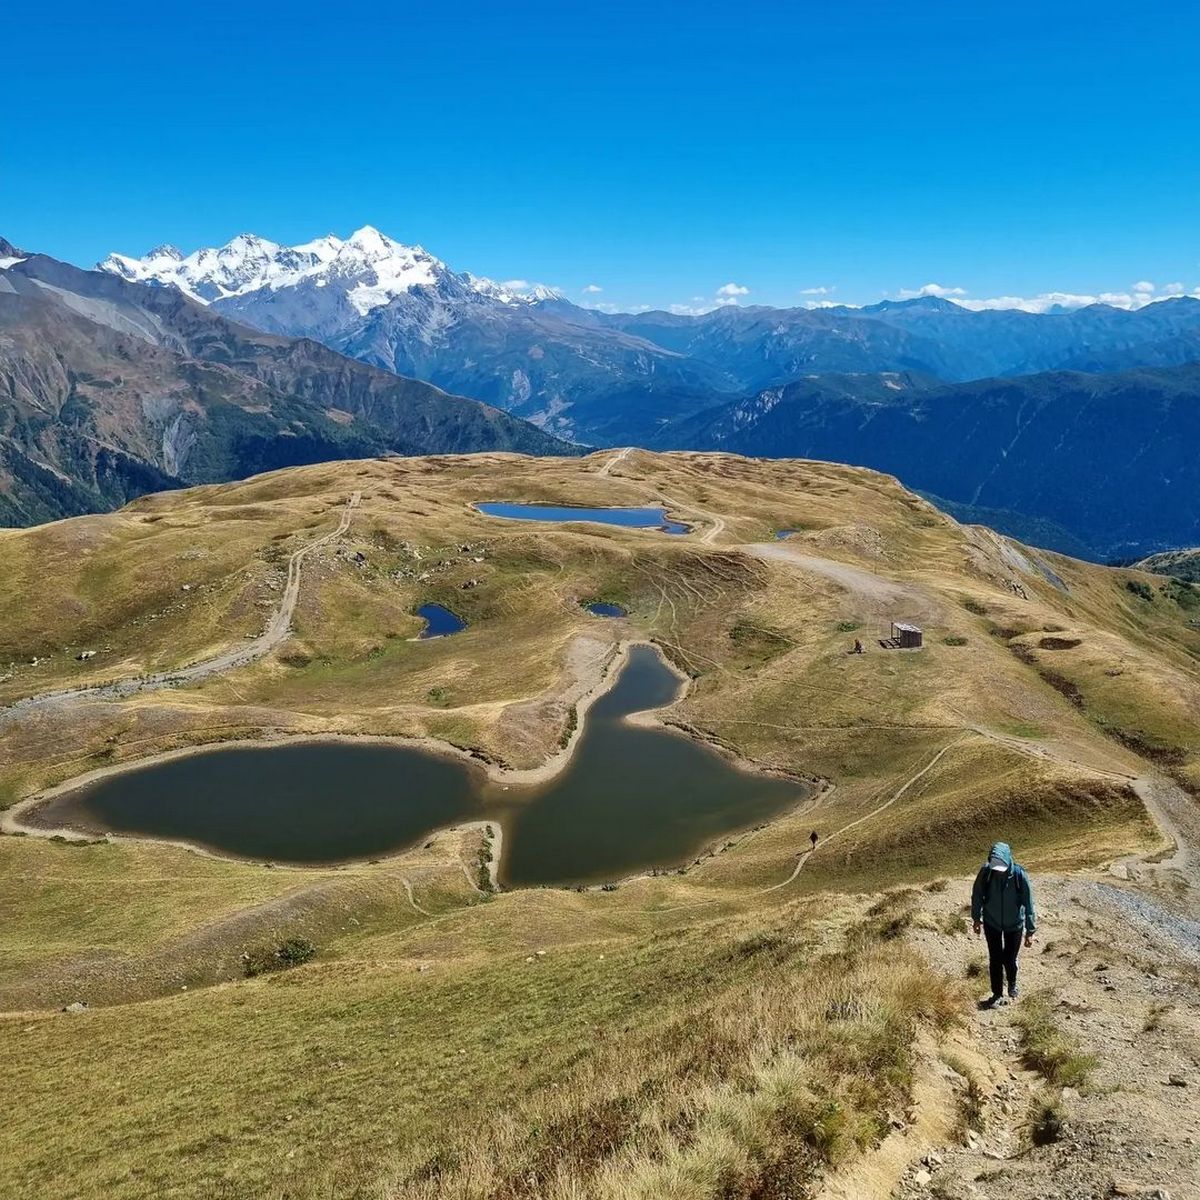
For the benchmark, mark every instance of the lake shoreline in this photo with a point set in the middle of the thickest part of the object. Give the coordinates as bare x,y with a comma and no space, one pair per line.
20,819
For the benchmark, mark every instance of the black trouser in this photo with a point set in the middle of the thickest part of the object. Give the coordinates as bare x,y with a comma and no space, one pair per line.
1003,948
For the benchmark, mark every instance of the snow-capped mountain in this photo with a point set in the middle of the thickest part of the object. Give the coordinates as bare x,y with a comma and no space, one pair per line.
621,378
368,268
517,345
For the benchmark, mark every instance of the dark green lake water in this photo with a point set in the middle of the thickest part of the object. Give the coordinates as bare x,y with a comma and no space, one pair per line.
631,797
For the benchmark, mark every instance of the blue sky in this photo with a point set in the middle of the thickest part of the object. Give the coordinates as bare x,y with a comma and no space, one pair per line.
655,150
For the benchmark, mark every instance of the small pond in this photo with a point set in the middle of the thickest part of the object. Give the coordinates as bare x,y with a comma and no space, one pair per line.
630,518
632,797
439,621
601,608
780,534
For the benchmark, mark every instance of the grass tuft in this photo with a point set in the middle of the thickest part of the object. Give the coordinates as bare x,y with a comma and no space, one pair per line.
1048,1049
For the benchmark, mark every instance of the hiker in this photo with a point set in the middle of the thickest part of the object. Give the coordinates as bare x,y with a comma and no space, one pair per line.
812,837
1002,907
858,649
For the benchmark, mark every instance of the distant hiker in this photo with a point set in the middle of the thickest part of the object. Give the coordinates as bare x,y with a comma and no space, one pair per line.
1002,906
812,837
858,649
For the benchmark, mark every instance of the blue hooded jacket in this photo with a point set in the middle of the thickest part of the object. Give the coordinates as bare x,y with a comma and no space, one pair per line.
1003,899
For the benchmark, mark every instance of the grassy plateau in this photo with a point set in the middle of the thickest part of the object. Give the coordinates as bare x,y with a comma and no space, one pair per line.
745,1027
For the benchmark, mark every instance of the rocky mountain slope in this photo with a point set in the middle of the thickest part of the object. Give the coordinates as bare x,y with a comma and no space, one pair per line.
111,388
613,379
1183,564
1109,459
400,308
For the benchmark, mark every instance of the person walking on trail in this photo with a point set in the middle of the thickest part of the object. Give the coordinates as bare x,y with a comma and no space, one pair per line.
1002,907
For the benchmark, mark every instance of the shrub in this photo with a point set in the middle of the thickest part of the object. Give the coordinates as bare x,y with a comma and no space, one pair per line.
973,606
954,923
954,641
848,626
291,952
1154,1017
1045,1119
1139,589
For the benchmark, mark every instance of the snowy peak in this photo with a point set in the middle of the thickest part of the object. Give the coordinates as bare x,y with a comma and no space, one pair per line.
368,268
515,291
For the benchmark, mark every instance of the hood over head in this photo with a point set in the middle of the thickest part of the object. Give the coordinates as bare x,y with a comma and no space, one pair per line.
1000,857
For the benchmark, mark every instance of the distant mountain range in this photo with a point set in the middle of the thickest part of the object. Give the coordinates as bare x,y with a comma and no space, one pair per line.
1078,430
614,379
111,388
1103,466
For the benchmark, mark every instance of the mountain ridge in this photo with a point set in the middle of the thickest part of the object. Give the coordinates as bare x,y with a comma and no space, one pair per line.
111,388
1110,458
616,378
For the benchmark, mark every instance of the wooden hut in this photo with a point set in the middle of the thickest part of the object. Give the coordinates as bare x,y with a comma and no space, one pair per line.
907,637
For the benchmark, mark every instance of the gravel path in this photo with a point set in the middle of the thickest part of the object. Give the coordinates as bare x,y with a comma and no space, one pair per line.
278,629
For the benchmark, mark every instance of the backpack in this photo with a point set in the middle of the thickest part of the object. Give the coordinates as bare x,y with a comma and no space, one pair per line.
1016,872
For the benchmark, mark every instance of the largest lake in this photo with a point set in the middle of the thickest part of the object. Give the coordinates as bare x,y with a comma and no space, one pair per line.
632,797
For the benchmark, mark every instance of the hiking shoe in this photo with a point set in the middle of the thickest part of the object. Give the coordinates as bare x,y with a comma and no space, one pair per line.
1013,993
992,1001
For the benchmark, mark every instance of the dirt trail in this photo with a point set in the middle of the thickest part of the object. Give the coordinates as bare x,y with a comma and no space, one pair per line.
278,628
716,522
609,463
885,594
900,791
1124,994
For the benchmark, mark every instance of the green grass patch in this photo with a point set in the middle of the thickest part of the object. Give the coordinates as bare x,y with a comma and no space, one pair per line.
1049,1049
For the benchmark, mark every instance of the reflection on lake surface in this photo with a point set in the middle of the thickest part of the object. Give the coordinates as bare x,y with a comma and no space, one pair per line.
439,621
631,518
632,797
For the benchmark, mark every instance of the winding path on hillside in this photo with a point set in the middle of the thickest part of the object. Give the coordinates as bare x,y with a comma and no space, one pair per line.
279,627
900,791
609,463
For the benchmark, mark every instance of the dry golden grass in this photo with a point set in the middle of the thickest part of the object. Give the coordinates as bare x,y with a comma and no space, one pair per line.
686,1035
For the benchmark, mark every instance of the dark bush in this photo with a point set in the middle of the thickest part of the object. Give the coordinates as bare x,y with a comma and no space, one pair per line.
291,952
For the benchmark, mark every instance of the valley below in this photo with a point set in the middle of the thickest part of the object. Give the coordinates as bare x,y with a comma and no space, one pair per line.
634,880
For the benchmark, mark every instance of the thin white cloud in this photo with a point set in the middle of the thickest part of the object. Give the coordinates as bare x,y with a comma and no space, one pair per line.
1048,300
931,289
517,285
1138,295
591,289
